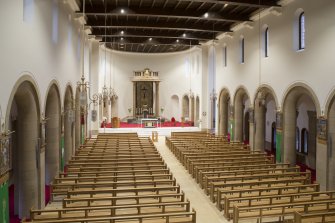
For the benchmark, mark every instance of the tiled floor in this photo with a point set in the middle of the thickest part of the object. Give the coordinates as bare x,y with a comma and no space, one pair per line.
206,210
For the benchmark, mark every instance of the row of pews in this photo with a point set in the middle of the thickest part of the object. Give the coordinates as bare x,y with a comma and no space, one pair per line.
248,185
116,178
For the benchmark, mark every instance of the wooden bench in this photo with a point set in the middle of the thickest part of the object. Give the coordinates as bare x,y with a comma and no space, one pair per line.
222,194
111,210
213,182
229,203
316,217
254,184
279,210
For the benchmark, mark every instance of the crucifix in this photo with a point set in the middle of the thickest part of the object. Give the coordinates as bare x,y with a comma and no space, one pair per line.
144,89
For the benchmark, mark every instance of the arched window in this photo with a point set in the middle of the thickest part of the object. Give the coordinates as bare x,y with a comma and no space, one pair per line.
304,141
242,49
225,56
297,139
302,31
266,42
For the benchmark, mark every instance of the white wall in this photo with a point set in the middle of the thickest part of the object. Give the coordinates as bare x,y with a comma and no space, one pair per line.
173,71
41,40
284,66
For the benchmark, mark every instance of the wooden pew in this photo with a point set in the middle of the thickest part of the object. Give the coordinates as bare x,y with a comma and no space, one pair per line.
279,210
315,217
229,203
222,194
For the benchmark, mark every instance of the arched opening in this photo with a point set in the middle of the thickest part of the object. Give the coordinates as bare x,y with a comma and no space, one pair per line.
224,112
241,107
175,107
114,107
299,112
24,119
246,128
186,108
52,137
273,138
265,116
192,108
197,110
67,123
77,119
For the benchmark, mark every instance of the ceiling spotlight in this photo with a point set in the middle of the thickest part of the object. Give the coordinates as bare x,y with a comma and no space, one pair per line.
184,35
177,40
121,38
206,15
150,39
225,5
156,45
122,11
122,32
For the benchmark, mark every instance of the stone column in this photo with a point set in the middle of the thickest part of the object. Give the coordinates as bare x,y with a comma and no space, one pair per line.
238,121
94,80
324,163
134,98
289,128
157,99
311,139
260,127
252,128
41,171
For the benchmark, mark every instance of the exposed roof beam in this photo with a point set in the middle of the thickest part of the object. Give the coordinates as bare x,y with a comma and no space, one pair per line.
156,36
246,3
158,26
175,15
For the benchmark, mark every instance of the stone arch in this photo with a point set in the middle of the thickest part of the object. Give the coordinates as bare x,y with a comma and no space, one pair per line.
295,96
23,117
52,132
265,107
241,106
224,105
68,119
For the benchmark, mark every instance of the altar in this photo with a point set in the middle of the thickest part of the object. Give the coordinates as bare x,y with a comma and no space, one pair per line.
150,122
146,94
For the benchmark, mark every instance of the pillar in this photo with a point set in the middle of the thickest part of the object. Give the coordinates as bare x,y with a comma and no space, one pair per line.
238,121
252,128
289,128
157,99
94,80
279,136
311,158
134,99
324,163
260,127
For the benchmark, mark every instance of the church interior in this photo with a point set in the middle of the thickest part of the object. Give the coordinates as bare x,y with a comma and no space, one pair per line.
167,111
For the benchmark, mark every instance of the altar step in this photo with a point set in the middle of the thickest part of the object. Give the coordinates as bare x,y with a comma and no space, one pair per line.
147,132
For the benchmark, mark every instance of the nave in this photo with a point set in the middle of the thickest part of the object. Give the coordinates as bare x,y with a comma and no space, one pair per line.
120,177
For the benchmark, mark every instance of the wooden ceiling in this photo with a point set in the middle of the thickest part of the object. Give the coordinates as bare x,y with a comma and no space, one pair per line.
158,26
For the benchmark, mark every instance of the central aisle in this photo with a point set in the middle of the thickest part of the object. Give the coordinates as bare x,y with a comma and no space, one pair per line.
206,210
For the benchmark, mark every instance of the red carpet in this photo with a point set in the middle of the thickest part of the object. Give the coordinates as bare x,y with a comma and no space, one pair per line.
13,218
164,124
304,167
47,194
